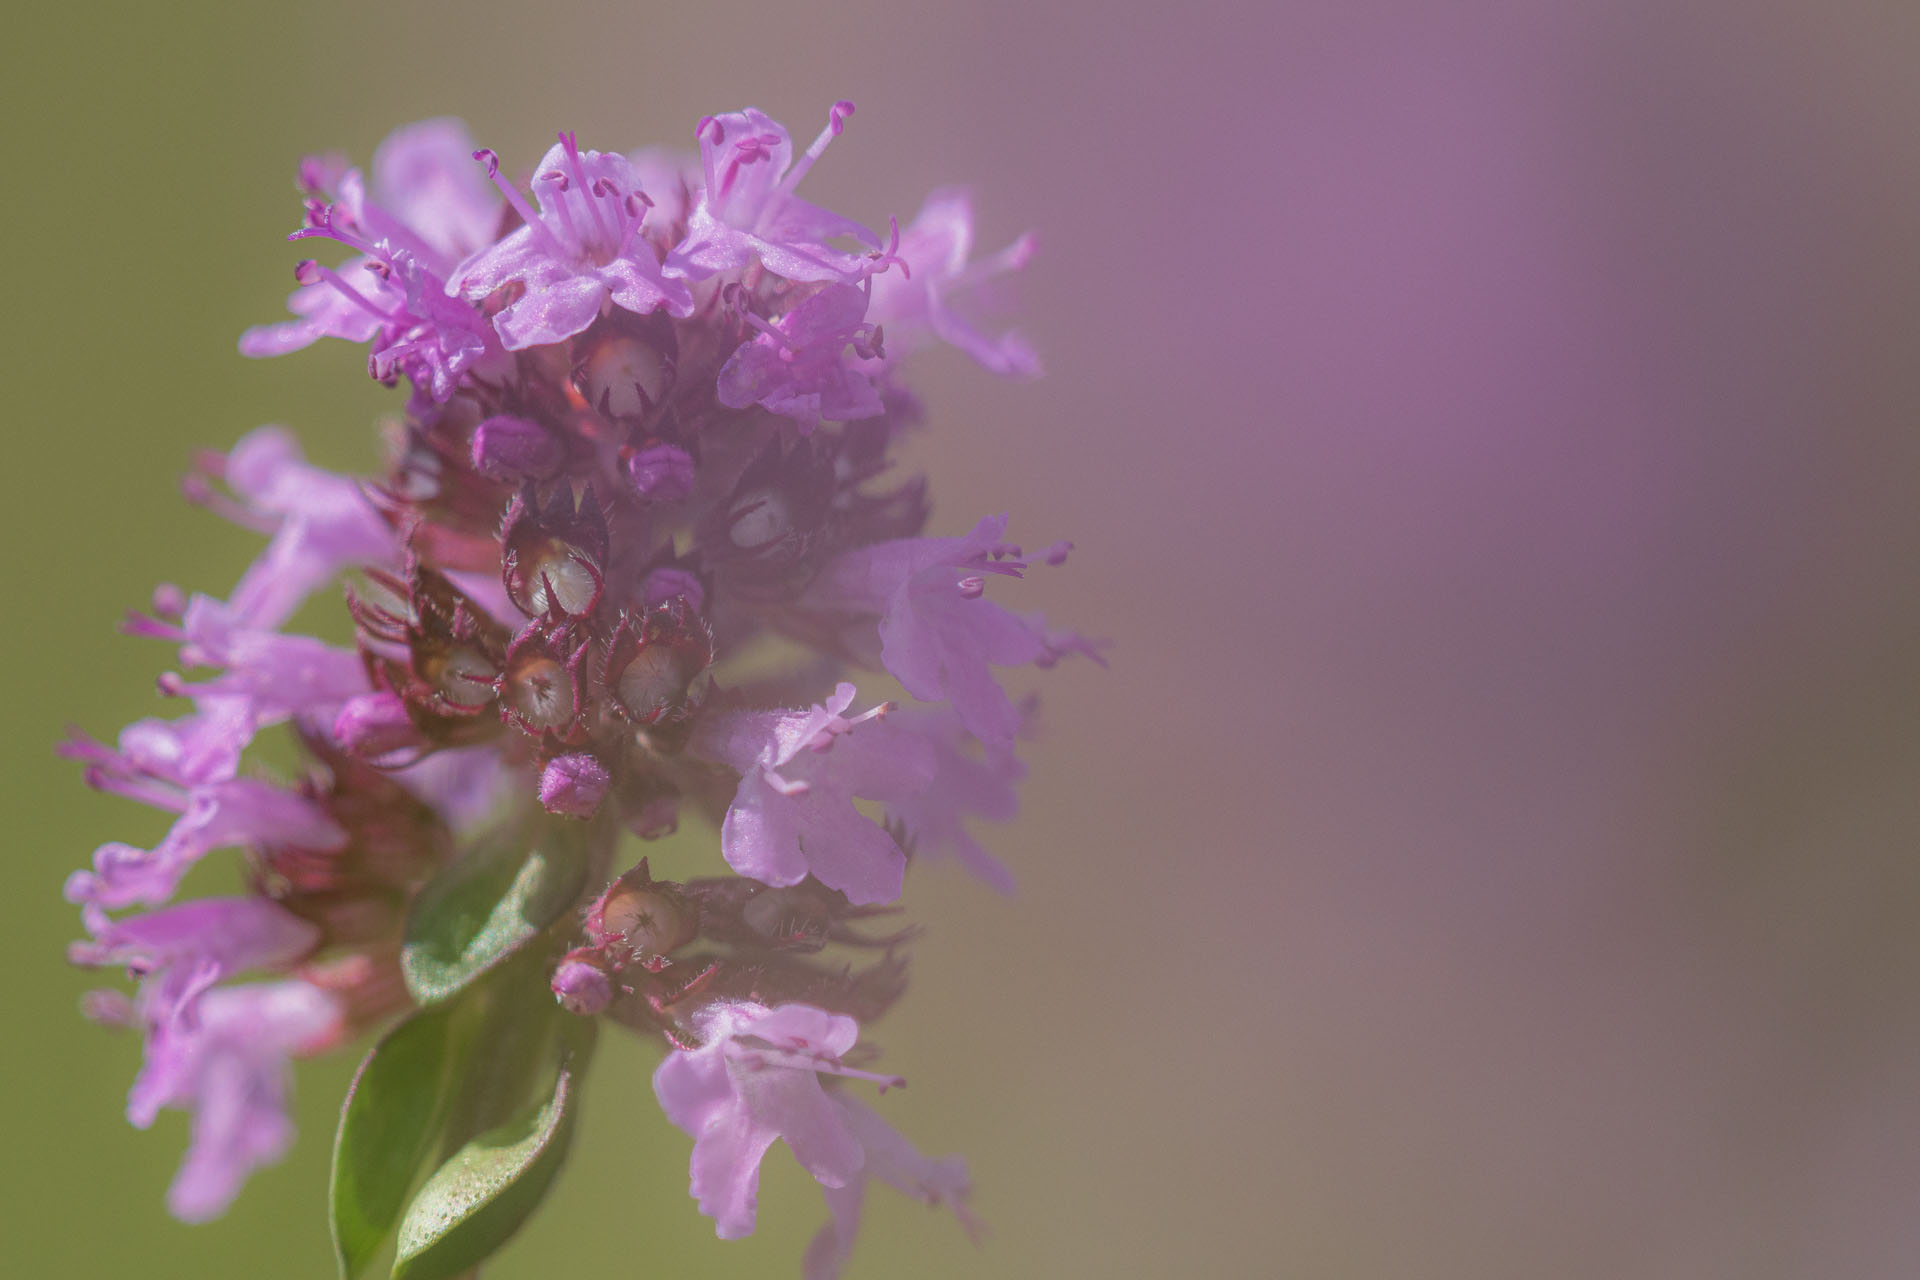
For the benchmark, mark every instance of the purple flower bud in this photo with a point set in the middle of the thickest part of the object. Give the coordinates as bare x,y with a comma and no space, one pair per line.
663,585
582,987
661,473
574,785
372,725
514,449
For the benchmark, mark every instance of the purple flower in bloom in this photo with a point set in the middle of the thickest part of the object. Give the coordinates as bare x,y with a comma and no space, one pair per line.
966,783
793,814
275,675
186,766
583,247
318,523
180,952
747,208
427,210
755,1078
228,1065
798,366
945,294
939,636
896,1162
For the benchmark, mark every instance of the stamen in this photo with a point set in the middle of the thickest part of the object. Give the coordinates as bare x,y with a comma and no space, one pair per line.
518,201
767,328
784,786
707,153
570,141
972,587
636,206
890,256
806,1060
310,272
836,121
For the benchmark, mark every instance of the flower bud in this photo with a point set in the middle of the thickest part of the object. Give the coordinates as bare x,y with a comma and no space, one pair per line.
514,449
661,472
573,785
372,725
581,986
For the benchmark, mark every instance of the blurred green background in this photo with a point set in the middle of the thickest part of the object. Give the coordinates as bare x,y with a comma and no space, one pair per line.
1490,435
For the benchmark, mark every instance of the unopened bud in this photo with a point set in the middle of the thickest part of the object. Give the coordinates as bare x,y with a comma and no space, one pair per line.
582,987
574,785
661,473
514,449
372,725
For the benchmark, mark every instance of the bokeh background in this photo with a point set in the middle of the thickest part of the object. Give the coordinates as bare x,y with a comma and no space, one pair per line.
1492,436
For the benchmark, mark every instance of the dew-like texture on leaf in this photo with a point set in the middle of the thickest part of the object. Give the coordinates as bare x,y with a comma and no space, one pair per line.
387,1126
486,907
476,1200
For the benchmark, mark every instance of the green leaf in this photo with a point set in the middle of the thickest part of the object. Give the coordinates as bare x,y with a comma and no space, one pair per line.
512,1014
387,1128
475,1201
489,904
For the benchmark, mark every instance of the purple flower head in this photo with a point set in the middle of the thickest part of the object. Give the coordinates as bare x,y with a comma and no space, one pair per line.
589,514
747,208
939,636
967,783
229,1067
799,368
182,951
582,248
755,1078
899,1164
793,814
944,295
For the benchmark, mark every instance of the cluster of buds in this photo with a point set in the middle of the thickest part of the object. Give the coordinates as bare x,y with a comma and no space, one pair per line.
635,532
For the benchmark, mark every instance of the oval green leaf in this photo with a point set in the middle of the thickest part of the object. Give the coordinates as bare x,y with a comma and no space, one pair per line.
489,904
475,1201
387,1127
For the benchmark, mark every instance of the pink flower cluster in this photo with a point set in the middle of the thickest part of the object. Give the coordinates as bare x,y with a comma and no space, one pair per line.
637,530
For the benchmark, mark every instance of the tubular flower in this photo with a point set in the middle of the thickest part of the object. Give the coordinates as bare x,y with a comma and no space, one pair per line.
651,420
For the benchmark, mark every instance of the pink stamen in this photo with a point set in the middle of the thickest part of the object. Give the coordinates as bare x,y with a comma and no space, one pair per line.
311,272
785,786
836,121
972,587
570,141
518,201
765,327
806,1060
890,256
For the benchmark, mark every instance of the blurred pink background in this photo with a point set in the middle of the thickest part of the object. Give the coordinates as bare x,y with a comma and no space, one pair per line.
1489,432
